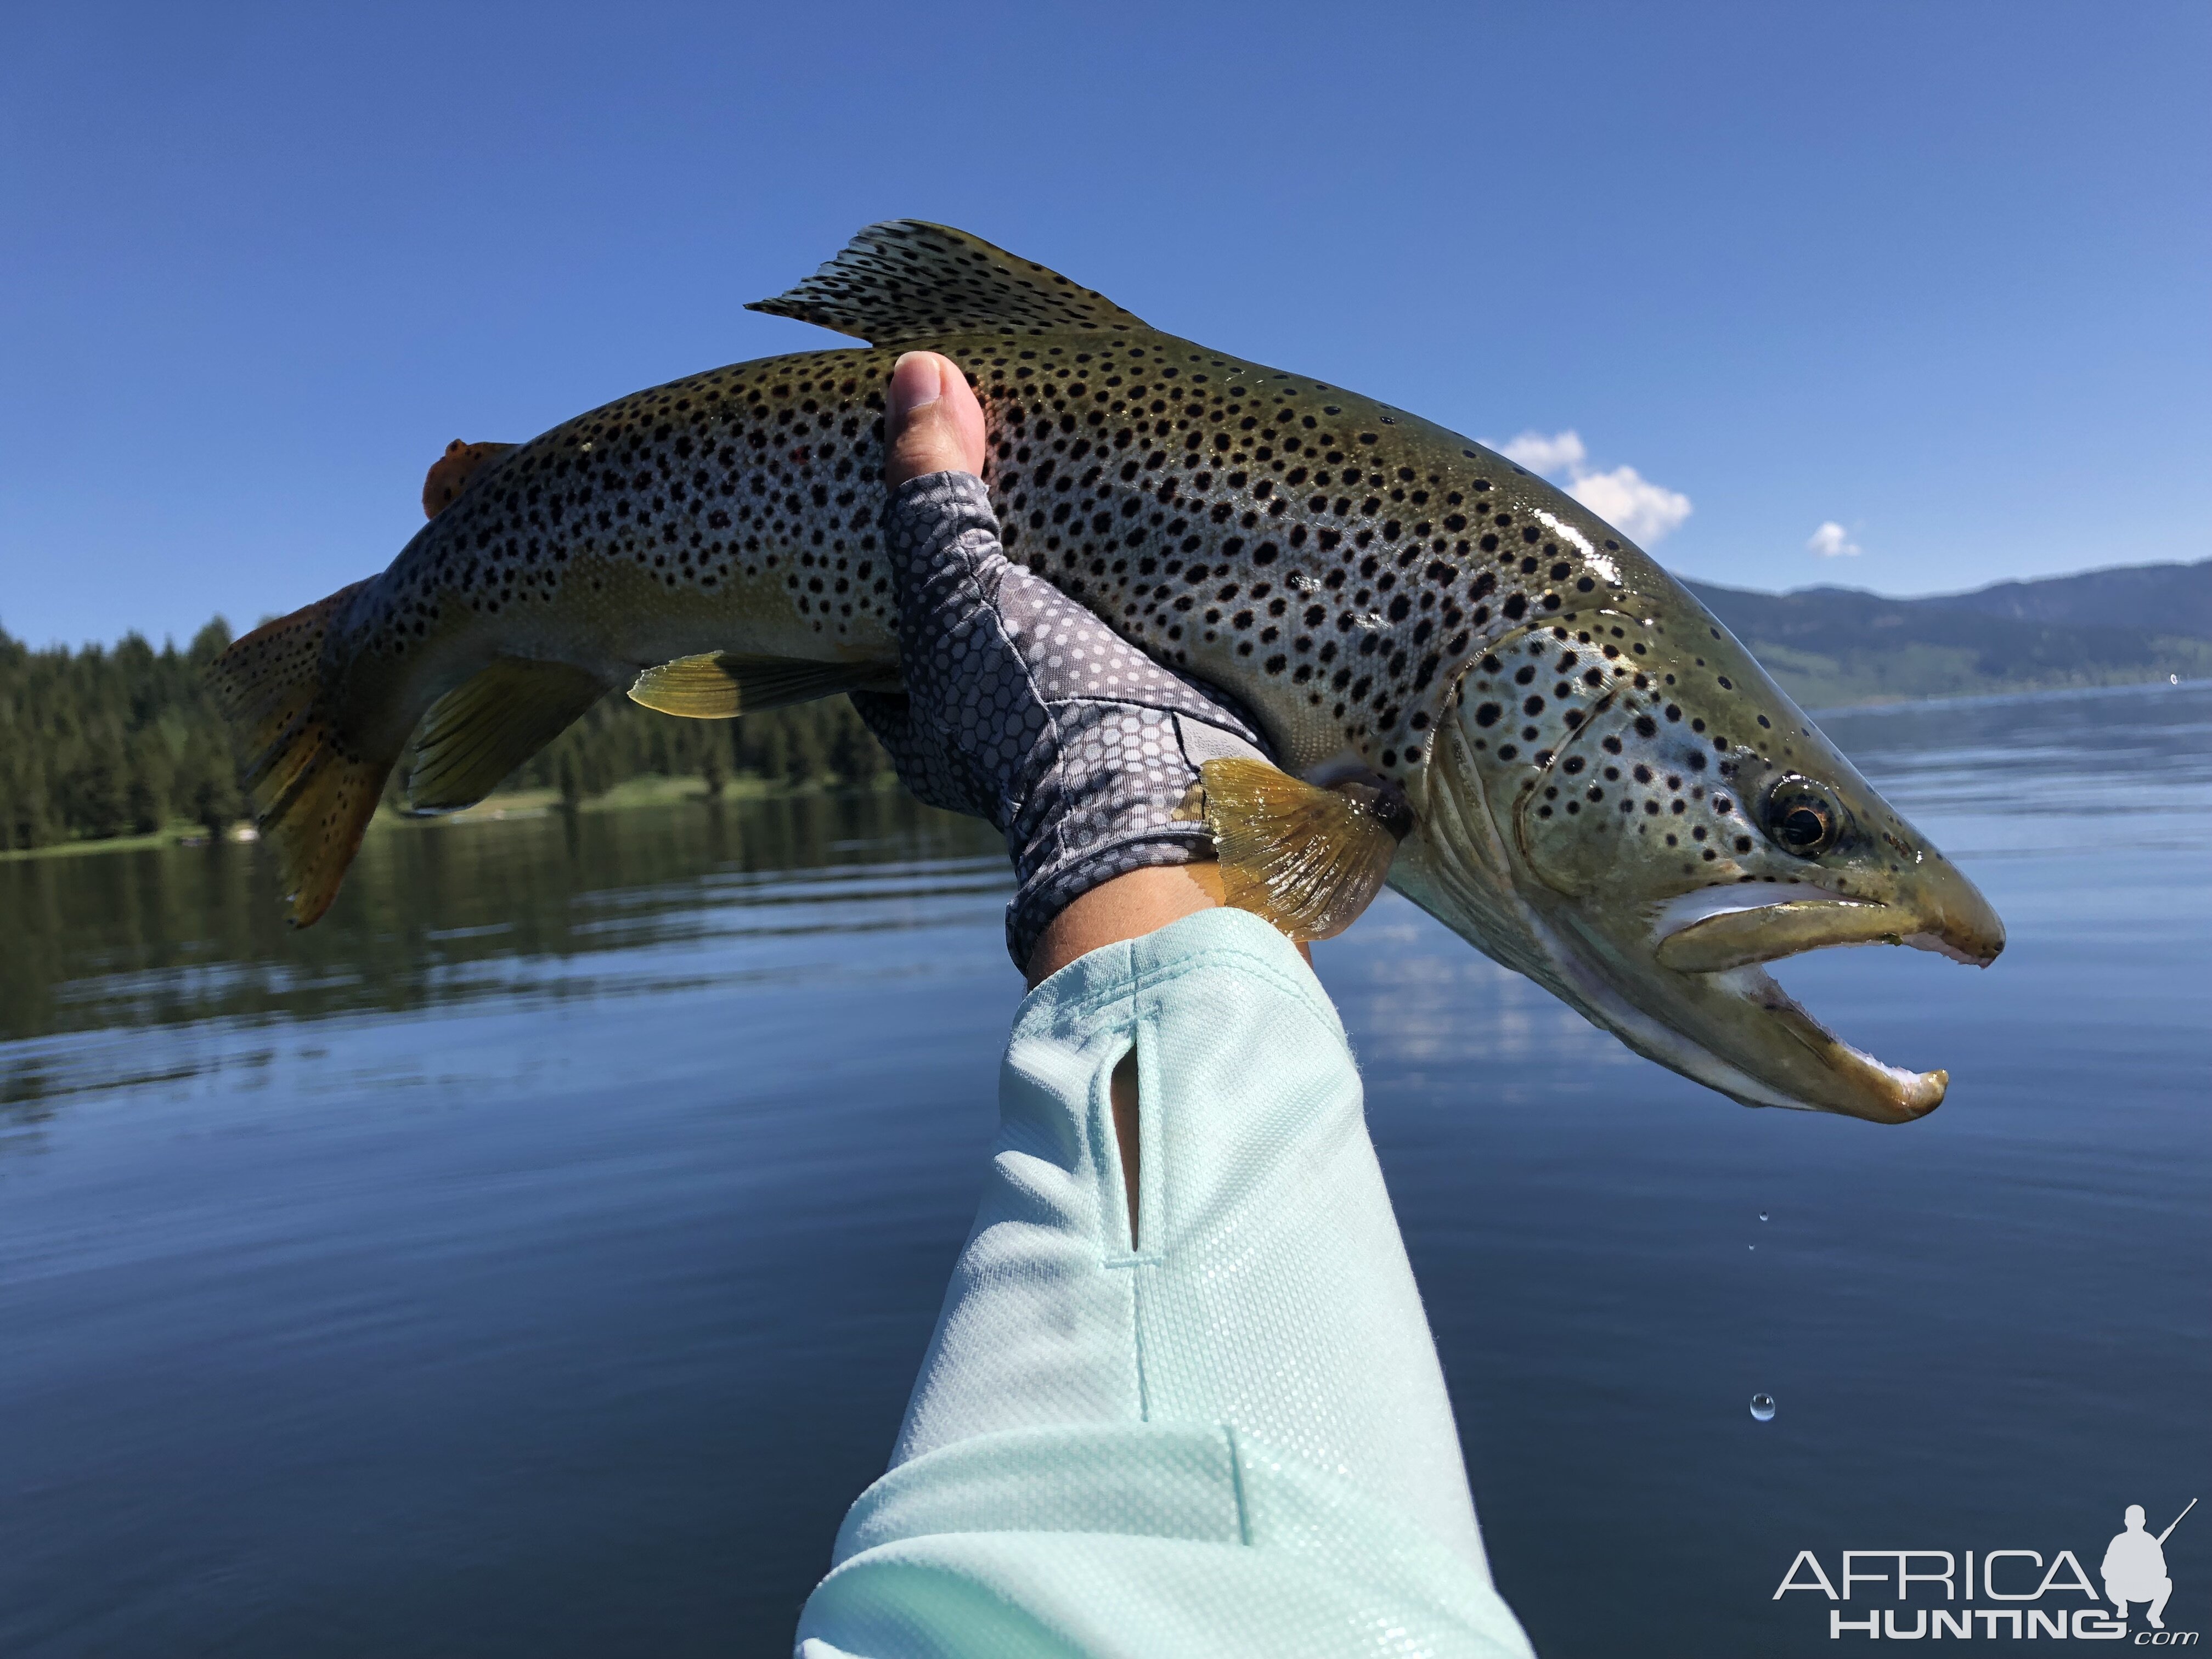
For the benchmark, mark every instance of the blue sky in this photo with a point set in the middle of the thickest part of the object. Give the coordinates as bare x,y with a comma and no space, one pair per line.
1928,281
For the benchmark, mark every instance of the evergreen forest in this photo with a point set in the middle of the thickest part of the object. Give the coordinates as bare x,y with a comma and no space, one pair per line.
126,740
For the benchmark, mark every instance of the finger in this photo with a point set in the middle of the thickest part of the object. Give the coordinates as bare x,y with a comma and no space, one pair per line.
932,422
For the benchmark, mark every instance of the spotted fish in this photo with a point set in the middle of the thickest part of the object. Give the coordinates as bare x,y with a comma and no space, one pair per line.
1475,686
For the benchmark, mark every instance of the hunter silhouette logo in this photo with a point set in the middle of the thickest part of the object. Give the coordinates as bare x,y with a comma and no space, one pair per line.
2135,1566
2002,1595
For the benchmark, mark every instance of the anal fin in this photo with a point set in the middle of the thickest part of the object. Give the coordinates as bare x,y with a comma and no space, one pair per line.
1306,858
719,685
480,732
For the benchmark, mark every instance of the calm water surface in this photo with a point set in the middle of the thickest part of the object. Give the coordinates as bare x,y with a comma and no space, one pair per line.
533,1258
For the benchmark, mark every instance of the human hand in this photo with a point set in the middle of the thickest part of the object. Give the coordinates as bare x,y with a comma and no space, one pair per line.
1024,708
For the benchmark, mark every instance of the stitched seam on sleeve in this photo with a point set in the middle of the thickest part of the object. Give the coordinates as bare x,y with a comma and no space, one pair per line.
1236,1485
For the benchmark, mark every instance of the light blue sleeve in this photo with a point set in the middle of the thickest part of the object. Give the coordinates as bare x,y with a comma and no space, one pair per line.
1231,1439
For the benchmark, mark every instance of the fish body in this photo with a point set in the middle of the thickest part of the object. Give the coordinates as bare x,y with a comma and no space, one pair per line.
1592,763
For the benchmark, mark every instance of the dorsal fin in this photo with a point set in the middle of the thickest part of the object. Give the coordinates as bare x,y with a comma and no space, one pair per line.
906,280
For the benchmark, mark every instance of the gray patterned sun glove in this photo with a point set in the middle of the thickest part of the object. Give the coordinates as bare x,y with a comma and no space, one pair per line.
1024,708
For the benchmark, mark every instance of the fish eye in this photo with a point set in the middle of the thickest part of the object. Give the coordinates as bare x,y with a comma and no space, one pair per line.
1802,818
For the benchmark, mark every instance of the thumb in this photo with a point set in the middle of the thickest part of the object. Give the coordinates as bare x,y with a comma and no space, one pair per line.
932,422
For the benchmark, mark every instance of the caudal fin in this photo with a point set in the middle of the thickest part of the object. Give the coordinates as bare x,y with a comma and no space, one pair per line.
312,791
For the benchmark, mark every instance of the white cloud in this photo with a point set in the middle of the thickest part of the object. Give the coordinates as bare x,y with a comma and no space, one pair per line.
1832,541
1539,454
1640,510
1631,503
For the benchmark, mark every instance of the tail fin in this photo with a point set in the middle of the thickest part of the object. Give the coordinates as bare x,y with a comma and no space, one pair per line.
311,792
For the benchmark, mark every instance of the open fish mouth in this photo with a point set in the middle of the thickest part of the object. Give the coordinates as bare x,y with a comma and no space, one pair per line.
1722,936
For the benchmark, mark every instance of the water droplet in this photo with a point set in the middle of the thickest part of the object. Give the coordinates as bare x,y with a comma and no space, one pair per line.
1762,1407
1762,1215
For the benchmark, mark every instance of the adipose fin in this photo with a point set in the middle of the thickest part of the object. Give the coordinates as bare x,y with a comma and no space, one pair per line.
450,472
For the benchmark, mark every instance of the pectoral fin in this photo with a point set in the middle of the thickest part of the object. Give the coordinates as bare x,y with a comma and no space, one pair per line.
719,686
1306,858
478,733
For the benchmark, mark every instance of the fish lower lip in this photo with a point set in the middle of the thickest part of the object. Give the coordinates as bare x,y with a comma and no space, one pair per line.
1880,1093
1725,934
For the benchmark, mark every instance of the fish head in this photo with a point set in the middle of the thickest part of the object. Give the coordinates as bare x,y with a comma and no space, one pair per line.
1623,804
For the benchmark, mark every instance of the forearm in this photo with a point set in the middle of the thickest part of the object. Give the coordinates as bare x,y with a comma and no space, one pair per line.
1117,1390
1264,1277
1127,906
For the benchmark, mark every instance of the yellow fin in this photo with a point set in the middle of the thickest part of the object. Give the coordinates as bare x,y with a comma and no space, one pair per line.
906,279
450,472
1306,858
478,733
312,790
717,685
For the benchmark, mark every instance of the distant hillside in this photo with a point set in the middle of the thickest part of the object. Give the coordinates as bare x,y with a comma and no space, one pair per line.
1833,646
2170,599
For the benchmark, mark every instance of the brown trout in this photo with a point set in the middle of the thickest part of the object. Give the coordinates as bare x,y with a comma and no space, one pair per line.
1599,787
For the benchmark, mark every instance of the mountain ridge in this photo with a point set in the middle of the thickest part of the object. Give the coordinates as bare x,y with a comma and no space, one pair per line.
1832,647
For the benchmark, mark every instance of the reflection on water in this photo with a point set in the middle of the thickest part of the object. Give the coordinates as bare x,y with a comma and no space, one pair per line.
533,908
537,1251
2106,770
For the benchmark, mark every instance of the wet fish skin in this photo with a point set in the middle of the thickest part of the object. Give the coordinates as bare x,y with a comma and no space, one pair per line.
736,510
1390,601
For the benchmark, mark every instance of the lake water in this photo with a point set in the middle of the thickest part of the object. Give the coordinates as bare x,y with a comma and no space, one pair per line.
533,1258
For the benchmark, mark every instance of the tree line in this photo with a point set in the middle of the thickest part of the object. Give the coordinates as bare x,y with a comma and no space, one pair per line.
104,742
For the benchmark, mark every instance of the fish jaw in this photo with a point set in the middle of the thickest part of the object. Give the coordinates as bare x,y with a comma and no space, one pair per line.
1712,969
1716,943
1433,871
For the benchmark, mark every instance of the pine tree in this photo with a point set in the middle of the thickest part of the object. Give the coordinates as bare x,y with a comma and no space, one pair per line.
92,797
208,784
149,780
808,761
855,754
